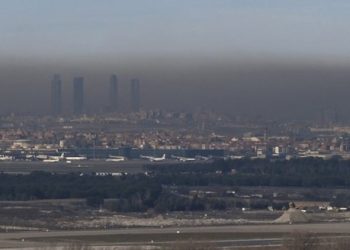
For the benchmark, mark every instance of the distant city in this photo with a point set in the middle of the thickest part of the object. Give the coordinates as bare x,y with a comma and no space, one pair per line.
159,135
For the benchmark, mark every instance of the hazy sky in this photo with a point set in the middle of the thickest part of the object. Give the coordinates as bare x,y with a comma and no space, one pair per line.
267,57
125,28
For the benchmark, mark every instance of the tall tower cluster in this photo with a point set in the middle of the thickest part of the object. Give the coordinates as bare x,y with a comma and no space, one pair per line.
79,95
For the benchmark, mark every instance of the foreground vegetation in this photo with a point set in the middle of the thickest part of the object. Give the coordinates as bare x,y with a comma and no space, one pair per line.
142,192
307,172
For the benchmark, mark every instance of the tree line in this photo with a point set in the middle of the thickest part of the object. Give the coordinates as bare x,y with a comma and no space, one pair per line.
142,192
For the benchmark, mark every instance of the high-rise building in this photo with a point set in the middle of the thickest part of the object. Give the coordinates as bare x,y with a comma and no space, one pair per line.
113,93
56,95
135,95
78,95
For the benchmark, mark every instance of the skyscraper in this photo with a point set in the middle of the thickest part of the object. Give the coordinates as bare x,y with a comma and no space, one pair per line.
113,93
56,95
135,95
78,95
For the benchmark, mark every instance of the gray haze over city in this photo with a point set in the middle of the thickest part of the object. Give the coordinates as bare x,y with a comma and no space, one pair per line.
247,58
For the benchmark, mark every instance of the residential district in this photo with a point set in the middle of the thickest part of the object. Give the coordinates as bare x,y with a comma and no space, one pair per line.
160,135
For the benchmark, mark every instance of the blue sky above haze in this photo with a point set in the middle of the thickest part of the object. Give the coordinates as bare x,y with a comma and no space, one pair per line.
140,28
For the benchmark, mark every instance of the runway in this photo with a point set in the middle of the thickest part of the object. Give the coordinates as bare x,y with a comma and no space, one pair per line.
89,166
322,228
233,236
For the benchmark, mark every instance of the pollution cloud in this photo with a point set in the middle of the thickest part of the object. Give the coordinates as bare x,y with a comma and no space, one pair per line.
270,89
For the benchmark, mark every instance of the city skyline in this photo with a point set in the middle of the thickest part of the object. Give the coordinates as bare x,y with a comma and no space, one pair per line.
79,96
113,93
